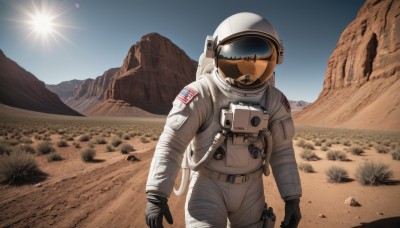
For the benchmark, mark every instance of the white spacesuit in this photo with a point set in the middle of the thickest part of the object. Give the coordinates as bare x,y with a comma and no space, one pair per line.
228,127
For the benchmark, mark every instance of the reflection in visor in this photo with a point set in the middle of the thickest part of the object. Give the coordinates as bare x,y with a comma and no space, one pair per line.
246,59
246,48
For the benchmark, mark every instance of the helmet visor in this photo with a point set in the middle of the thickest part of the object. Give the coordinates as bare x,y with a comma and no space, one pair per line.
246,60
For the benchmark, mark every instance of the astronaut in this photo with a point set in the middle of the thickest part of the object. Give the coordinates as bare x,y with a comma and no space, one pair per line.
226,130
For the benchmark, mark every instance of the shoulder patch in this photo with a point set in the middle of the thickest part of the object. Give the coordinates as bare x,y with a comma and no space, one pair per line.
285,103
187,94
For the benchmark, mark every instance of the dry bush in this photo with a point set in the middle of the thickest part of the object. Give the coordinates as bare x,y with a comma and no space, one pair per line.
336,174
18,167
44,148
110,148
371,173
26,148
5,148
301,143
62,143
116,141
381,149
324,147
54,156
144,139
396,154
336,155
100,140
308,155
126,148
126,136
305,167
84,138
356,150
88,154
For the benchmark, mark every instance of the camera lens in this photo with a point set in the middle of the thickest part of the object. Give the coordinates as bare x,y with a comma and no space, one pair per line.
255,121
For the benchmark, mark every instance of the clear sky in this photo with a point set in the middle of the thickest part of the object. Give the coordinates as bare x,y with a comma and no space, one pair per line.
87,37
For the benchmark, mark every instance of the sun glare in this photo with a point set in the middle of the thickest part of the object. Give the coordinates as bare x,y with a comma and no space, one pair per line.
45,20
43,24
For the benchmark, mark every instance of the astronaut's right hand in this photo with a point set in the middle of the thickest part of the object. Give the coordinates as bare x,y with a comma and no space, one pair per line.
156,209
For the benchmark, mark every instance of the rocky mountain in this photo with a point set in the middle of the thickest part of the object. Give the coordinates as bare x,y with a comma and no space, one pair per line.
90,92
65,89
297,106
361,87
152,74
19,88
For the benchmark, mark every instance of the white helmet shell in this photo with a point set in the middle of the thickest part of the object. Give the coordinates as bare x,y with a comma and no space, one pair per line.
242,24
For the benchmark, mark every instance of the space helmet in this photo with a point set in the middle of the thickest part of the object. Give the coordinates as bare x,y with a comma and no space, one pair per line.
245,48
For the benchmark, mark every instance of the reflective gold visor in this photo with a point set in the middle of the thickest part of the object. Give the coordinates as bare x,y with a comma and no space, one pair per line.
246,60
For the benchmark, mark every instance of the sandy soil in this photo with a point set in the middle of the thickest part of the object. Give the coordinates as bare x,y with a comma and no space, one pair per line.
110,193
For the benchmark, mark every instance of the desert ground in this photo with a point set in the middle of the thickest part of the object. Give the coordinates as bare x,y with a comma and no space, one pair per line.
109,191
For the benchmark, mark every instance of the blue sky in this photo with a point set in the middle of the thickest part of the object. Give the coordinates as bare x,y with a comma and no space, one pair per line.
95,35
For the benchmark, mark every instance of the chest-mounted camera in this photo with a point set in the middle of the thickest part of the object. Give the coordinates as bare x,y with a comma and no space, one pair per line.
244,118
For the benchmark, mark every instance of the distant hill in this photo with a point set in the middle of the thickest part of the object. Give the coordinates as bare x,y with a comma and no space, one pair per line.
361,87
65,89
19,88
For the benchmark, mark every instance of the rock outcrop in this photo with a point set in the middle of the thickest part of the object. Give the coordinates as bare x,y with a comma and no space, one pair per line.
361,87
91,92
21,89
152,74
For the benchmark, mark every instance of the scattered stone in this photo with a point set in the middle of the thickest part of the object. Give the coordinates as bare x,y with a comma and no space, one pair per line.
132,157
351,201
321,216
309,201
379,213
38,185
357,217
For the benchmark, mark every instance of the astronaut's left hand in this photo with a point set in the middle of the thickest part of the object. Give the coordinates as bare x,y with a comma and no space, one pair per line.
292,213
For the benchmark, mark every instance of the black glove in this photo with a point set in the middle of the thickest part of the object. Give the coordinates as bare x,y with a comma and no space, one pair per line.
156,209
292,213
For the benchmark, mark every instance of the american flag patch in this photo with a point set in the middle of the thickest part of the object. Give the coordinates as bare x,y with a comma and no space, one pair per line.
187,94
285,103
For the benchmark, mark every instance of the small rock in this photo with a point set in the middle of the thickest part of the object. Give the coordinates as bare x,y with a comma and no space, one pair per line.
321,216
38,185
131,157
357,217
309,201
351,201
379,213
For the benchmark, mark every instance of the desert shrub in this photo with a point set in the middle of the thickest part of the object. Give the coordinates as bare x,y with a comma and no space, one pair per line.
305,167
44,148
356,150
308,155
324,147
116,141
18,167
155,137
317,142
26,148
336,174
126,136
25,140
126,148
77,145
144,139
381,149
54,156
110,148
100,140
69,138
84,138
300,143
336,155
346,143
5,148
328,143
88,154
371,173
396,155
62,143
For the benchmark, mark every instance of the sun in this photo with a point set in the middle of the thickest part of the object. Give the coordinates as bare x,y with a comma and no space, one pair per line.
43,24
